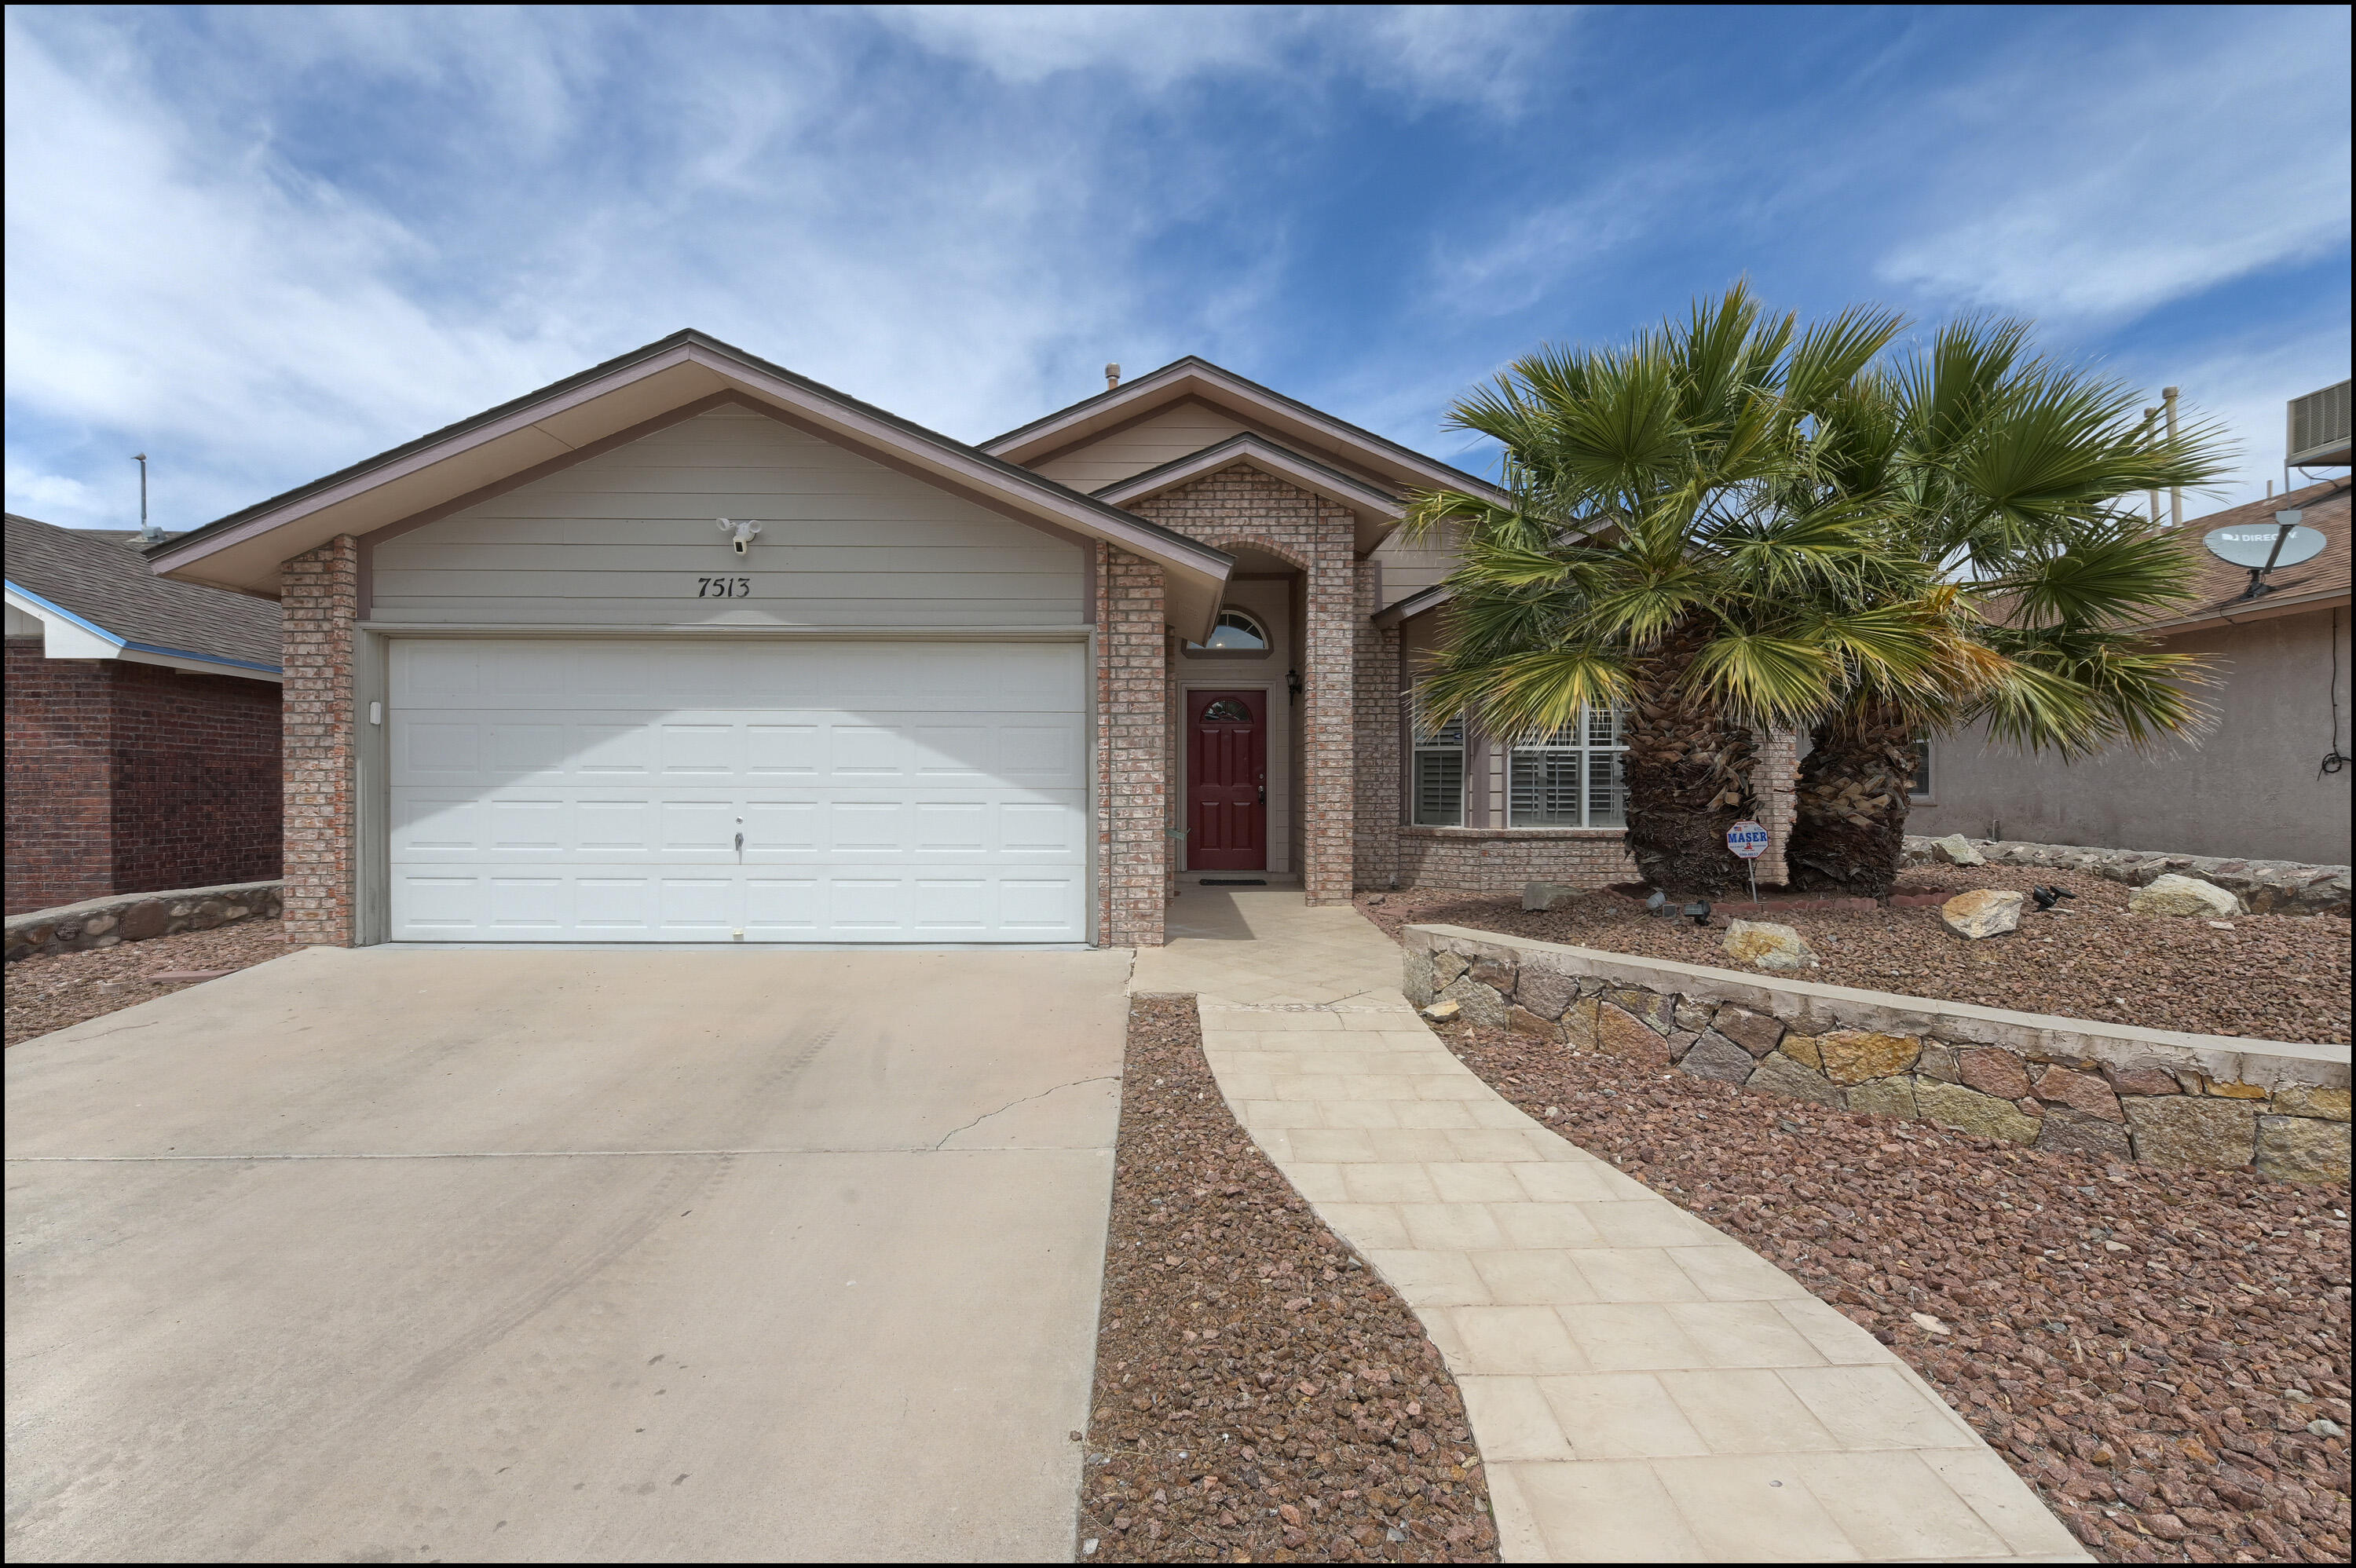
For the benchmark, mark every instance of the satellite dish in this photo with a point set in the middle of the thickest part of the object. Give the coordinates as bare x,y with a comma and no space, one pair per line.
2257,546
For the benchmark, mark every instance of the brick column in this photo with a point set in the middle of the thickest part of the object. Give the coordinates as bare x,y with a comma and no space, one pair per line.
1132,752
1329,745
1776,780
1380,681
320,591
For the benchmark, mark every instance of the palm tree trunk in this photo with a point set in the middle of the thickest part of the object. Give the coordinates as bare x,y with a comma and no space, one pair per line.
1850,830
1689,772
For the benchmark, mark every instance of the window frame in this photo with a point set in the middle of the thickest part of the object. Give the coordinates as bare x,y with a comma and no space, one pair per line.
1585,749
1920,789
1252,625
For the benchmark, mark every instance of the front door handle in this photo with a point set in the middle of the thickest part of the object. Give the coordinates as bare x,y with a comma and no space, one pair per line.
1263,794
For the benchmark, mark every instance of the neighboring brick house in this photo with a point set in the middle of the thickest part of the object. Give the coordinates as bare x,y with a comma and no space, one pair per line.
689,648
143,721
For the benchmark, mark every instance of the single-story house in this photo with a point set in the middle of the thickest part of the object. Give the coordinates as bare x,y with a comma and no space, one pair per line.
2261,783
687,647
142,733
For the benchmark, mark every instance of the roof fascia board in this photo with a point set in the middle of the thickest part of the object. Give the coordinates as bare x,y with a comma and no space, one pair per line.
1201,378
66,635
2266,608
1377,512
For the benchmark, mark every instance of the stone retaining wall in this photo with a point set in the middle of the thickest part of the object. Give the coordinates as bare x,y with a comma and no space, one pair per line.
2267,887
2153,1095
135,917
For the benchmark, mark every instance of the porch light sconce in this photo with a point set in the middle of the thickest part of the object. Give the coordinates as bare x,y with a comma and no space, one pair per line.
1293,683
741,534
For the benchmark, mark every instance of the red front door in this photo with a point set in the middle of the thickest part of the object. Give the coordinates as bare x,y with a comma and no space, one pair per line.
1227,781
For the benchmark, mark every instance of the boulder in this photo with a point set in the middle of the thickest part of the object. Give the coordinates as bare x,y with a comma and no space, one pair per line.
2305,1100
1754,1032
1497,974
2144,1080
1416,979
1994,1072
1579,1023
1938,1062
1854,1055
1803,1048
1521,1021
1885,1097
1481,1005
2194,1130
1956,850
1779,1074
2172,894
1693,1016
2083,1135
1541,896
1442,1012
2082,1091
2301,1149
1659,1011
1446,967
1715,1056
1968,1110
1622,1035
1983,912
1547,992
1763,944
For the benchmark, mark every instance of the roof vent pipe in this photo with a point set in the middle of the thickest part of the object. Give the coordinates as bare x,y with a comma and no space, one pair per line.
148,533
2174,494
1112,377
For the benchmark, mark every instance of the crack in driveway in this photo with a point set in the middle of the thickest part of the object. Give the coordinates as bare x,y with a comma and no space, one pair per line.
1099,1078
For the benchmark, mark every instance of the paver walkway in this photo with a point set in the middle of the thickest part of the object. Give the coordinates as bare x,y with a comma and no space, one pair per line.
1643,1387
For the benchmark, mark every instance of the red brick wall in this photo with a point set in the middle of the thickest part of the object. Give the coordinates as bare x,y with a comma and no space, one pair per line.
128,778
60,832
196,779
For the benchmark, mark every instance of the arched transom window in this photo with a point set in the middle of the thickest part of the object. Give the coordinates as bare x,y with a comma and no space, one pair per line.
1237,630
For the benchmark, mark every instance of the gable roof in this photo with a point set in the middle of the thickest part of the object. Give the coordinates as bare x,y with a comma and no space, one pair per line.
570,419
94,580
1377,510
2311,584
1287,418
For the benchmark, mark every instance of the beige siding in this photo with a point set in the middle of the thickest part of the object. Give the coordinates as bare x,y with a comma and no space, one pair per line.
624,538
1148,443
1412,568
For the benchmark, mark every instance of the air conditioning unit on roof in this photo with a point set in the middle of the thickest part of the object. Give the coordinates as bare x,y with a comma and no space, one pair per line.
2318,429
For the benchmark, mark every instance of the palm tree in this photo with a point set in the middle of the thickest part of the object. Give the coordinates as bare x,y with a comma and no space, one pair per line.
1672,549
2012,476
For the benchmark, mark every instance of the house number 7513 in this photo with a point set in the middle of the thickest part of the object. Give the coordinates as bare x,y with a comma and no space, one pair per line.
724,588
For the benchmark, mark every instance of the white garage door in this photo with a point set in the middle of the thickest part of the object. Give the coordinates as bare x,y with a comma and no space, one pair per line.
753,791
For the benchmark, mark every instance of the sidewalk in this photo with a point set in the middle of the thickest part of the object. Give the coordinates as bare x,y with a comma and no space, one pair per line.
1642,1386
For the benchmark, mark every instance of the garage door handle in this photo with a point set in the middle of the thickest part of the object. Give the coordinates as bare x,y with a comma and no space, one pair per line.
740,843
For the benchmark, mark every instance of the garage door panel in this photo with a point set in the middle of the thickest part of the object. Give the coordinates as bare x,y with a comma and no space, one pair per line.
595,790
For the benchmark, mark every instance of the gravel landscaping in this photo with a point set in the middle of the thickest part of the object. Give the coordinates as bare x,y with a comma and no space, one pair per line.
2162,1355
1260,1395
52,991
2268,977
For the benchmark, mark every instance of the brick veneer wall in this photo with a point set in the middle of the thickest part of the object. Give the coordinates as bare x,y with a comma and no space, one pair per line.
60,841
1132,750
1382,683
128,778
1489,860
1241,507
197,790
320,591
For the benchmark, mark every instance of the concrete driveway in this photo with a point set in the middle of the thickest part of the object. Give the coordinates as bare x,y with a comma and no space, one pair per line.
415,1255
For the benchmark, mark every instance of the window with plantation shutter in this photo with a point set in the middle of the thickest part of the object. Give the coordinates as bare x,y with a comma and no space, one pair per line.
1437,788
1572,778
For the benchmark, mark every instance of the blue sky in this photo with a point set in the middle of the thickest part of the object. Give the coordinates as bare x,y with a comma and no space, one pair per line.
262,244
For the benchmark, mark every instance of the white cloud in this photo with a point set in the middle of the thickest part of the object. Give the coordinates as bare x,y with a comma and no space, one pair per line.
1479,55
2121,182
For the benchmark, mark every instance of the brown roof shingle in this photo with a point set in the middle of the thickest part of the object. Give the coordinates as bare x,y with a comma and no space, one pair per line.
98,575
2219,584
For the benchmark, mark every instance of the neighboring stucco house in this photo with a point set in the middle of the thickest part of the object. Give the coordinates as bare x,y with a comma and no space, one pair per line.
909,690
143,735
2258,785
